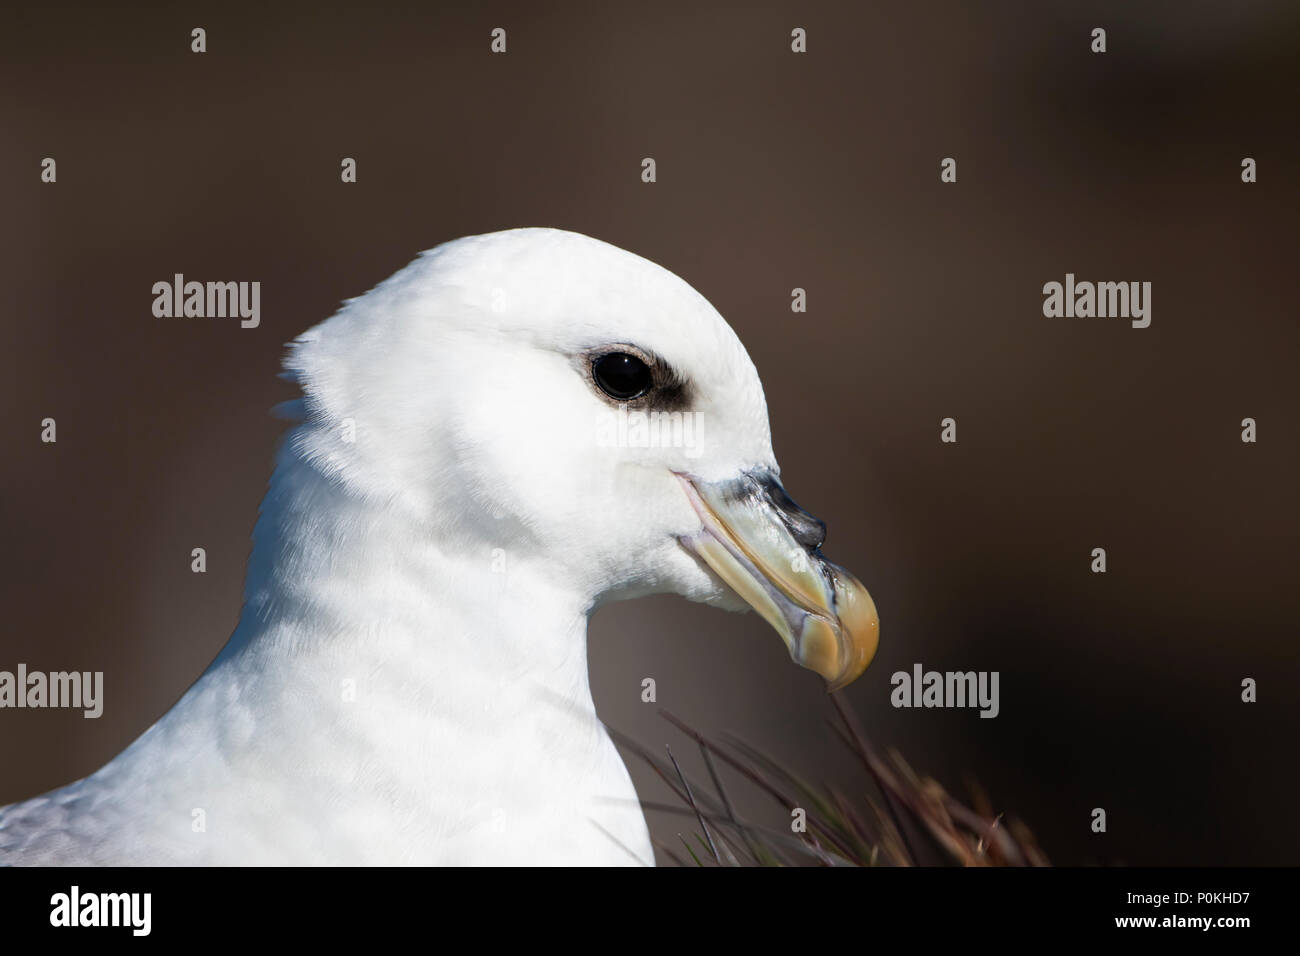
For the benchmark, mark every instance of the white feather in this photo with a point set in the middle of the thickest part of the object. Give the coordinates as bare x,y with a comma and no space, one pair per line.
445,562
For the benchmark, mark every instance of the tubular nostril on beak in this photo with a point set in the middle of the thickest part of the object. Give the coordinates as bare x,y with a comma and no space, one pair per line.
807,529
751,537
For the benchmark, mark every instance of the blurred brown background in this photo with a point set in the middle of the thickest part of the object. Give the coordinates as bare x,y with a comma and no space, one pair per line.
775,170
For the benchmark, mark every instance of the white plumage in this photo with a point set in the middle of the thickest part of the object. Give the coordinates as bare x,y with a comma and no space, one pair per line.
408,679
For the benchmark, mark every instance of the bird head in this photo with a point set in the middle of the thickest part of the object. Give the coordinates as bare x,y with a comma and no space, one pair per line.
586,410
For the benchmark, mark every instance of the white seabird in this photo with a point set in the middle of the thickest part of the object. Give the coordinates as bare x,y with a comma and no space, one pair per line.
408,679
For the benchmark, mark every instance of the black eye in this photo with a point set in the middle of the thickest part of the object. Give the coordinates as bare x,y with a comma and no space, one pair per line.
622,376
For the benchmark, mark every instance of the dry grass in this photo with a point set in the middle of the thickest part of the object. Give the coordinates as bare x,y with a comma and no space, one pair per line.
900,820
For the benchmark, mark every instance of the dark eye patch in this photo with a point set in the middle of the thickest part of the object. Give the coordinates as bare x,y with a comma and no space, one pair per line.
622,376
629,375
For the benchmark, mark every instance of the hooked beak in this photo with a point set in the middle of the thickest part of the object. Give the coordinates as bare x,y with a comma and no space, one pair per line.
766,548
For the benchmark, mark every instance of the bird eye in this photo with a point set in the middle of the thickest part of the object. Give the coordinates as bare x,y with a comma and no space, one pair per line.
622,375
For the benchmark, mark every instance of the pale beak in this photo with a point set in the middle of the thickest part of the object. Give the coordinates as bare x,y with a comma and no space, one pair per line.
766,548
